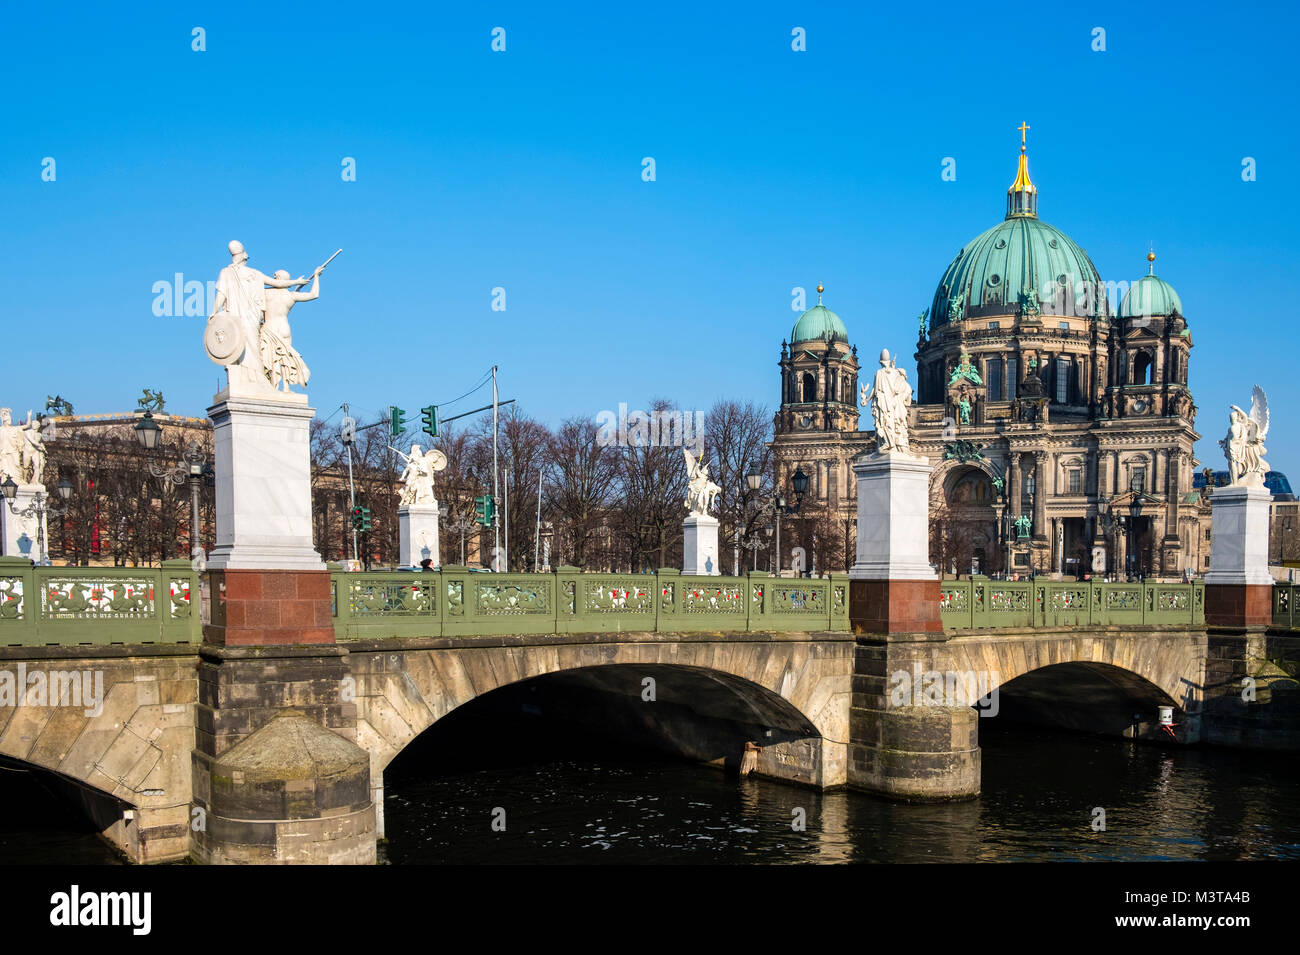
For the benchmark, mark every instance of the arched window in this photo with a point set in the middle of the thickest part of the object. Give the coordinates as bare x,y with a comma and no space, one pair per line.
809,387
1141,369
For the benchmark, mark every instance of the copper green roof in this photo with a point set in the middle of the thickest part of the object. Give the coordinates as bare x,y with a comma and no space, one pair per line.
817,324
1150,295
1020,259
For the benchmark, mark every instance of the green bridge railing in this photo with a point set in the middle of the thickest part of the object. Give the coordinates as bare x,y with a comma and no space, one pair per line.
1285,613
95,605
98,605
981,602
456,601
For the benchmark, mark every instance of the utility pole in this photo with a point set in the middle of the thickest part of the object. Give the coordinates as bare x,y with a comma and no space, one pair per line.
496,524
505,519
537,531
349,436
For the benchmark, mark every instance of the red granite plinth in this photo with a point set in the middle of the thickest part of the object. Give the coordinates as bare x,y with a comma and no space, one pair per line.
894,606
1238,605
269,608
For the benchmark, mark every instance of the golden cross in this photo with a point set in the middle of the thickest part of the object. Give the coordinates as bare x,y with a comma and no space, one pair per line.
1022,127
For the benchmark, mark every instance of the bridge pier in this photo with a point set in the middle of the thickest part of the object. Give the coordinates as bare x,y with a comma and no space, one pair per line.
903,743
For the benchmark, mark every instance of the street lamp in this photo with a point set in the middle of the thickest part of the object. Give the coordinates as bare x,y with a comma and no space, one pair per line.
38,509
777,505
193,469
1135,511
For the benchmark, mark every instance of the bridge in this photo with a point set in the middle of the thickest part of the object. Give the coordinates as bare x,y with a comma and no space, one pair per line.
220,736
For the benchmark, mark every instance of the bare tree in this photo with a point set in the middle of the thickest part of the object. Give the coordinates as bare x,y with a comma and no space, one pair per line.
735,440
581,482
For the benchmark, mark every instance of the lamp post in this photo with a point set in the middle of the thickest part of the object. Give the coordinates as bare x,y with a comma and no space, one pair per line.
777,506
1030,487
193,469
1135,511
38,509
548,532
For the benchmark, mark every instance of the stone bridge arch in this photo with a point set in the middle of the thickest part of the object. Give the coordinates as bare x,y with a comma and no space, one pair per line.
127,751
799,682
1171,663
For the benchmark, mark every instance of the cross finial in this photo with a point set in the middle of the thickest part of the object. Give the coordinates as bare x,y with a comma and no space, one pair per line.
1023,127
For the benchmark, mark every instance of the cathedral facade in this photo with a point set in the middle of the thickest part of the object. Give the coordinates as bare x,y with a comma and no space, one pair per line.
1060,431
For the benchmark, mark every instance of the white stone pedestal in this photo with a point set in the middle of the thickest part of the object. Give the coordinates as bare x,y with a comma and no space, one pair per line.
417,531
893,518
1239,536
19,533
700,545
263,483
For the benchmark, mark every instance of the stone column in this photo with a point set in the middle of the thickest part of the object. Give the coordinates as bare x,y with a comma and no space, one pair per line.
274,790
417,534
902,742
1013,484
700,545
892,587
20,533
1040,494
1238,585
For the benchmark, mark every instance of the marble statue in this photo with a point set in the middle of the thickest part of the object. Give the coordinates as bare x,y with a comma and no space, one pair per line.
889,396
417,476
22,449
283,364
700,492
1243,445
257,358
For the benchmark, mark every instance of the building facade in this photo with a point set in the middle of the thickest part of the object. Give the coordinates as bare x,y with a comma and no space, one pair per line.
1061,431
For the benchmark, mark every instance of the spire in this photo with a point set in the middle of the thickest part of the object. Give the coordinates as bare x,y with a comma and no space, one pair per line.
1022,197
1151,260
819,293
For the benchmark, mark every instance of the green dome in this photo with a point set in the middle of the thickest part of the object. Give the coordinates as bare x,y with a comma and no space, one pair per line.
1148,296
817,324
1012,261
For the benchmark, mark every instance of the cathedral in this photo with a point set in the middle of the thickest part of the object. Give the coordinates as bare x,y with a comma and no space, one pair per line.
1060,432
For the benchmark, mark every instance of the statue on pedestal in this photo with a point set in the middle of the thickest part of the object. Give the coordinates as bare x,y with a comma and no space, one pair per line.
417,477
701,492
1243,445
889,396
248,330
22,449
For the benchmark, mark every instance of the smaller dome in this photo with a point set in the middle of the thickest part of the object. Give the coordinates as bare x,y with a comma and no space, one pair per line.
1150,295
817,324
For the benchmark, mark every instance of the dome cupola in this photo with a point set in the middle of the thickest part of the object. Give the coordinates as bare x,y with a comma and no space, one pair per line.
1150,296
819,324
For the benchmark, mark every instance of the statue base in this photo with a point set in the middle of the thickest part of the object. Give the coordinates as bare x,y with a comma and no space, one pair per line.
417,532
893,518
892,587
1238,585
19,533
700,545
263,484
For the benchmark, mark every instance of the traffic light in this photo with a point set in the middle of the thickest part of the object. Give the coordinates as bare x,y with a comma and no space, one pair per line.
398,421
484,510
429,416
361,518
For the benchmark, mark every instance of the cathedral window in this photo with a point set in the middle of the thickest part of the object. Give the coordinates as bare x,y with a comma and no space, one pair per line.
1062,381
809,387
993,375
1076,480
1011,379
1142,369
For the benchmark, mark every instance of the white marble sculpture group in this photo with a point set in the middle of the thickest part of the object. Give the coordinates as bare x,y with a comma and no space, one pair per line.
1243,445
889,396
700,491
417,476
248,330
22,449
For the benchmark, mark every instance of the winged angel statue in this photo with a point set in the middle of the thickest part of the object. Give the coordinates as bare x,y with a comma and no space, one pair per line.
1243,445
700,493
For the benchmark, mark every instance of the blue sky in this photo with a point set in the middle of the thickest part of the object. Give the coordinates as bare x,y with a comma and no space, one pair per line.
522,170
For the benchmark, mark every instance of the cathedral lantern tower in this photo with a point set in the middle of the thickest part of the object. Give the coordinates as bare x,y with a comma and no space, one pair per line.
816,428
